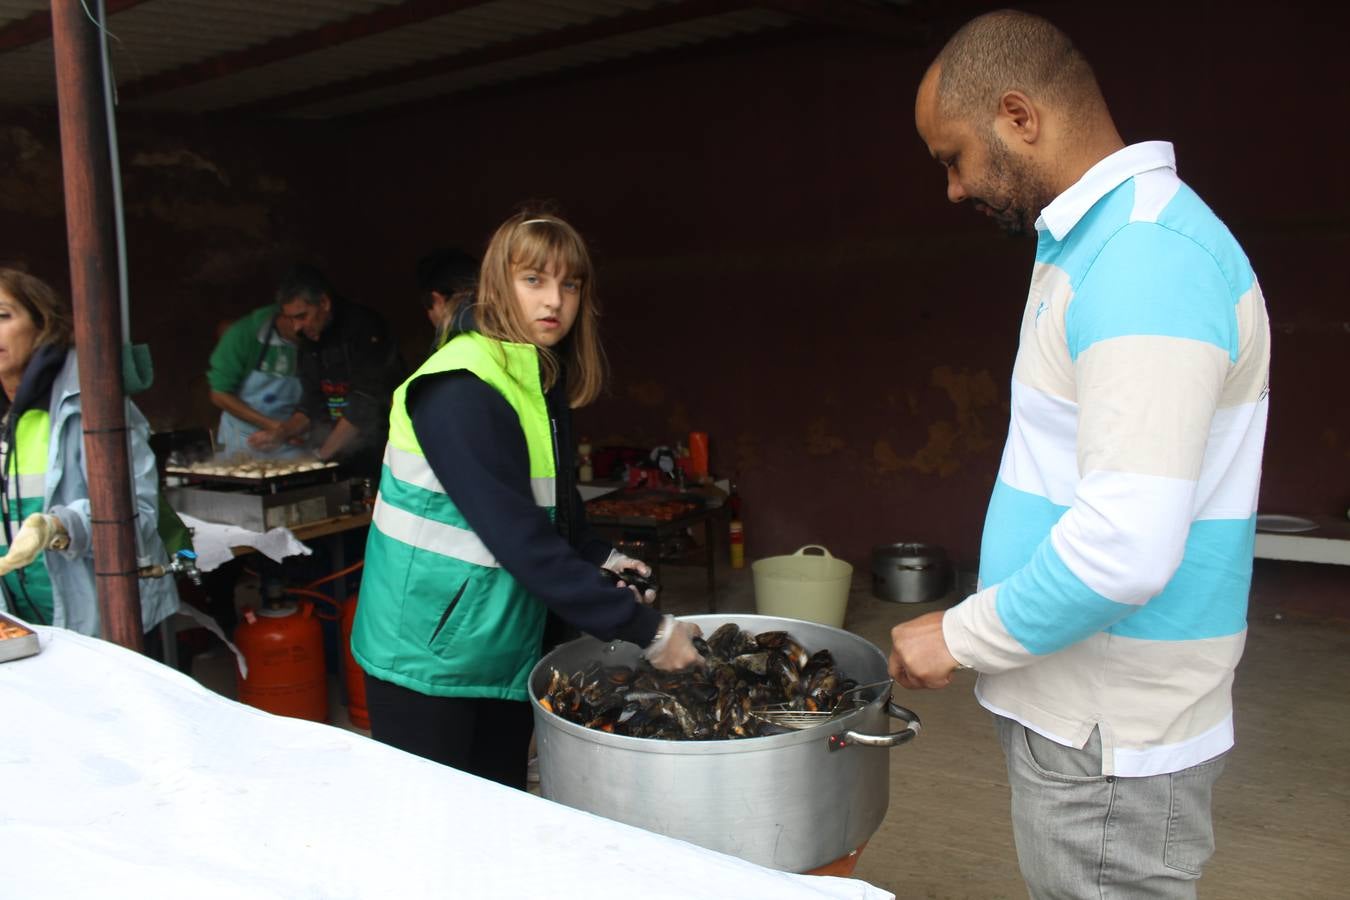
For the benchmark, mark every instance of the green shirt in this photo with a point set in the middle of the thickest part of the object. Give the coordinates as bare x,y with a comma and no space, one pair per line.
244,347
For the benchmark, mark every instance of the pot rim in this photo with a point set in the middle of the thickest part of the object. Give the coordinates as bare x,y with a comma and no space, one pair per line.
823,731
909,549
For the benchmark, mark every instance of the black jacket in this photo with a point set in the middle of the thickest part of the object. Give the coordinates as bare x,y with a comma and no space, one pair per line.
350,372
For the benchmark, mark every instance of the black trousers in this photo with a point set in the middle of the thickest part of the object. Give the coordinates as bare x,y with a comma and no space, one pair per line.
485,737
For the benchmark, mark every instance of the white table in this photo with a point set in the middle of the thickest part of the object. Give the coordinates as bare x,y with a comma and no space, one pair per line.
1328,543
120,777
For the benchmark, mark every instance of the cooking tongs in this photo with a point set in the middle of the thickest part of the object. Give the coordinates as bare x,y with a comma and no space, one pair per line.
783,716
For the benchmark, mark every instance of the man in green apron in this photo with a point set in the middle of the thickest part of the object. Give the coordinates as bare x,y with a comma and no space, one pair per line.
253,380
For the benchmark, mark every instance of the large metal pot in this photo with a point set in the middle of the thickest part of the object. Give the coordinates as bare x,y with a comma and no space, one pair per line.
791,801
910,573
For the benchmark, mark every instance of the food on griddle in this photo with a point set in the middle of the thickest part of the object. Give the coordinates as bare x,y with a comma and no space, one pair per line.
657,508
252,468
743,672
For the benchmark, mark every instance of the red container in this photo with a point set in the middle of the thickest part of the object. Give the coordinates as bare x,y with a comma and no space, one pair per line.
353,675
283,646
698,452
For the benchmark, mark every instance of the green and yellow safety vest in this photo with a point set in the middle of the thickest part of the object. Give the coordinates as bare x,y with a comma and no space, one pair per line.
25,489
437,613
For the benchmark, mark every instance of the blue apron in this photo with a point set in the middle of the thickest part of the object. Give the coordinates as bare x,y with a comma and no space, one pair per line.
274,394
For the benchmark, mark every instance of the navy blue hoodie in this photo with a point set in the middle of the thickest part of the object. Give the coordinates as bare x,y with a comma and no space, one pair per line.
472,440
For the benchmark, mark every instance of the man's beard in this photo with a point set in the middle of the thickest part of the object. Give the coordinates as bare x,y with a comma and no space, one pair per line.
1022,192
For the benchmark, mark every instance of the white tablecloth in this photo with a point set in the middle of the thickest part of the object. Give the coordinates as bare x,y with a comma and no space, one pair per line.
120,777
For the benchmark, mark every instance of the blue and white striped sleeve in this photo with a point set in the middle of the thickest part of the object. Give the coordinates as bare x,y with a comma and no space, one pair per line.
1151,332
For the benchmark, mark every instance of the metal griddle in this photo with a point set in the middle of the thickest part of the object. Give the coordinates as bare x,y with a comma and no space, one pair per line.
271,483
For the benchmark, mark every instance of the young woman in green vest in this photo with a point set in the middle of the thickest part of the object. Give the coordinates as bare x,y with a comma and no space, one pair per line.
478,532
47,568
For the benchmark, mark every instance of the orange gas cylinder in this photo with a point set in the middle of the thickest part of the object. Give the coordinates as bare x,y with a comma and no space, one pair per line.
283,646
352,673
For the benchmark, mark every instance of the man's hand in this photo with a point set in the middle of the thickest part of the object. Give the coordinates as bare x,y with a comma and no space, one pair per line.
919,655
40,531
265,439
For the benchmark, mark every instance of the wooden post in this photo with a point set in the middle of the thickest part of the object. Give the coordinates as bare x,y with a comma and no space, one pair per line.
86,169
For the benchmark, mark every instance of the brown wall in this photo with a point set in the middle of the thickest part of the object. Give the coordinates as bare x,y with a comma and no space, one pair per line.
214,211
776,259
779,266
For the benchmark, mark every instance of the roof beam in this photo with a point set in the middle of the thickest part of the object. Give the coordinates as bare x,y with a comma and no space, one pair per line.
854,15
386,18
800,33
38,26
571,35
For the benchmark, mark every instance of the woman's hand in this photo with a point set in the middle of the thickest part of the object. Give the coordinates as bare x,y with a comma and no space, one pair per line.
619,564
673,646
40,531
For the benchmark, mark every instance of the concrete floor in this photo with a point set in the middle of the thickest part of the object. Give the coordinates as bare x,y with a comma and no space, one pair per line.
1282,808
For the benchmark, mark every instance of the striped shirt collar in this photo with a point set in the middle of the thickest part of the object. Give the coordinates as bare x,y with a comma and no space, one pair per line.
1068,208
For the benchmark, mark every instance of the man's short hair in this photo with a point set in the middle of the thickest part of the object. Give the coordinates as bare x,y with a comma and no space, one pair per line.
303,282
1010,50
447,272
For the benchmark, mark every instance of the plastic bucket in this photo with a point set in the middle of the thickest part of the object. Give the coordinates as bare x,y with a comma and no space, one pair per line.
803,586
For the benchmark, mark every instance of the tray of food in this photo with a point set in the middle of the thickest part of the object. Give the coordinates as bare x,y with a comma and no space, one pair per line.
642,507
17,640
248,471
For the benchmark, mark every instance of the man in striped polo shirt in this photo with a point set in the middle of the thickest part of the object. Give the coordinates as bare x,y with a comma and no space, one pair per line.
1117,548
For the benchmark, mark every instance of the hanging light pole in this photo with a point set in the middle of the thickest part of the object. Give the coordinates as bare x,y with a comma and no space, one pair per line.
87,173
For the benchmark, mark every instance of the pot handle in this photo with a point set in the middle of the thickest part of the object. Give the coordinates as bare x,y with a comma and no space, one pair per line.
893,739
801,551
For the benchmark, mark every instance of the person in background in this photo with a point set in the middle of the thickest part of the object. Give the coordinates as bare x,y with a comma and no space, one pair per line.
48,564
478,530
253,380
1117,550
348,369
445,280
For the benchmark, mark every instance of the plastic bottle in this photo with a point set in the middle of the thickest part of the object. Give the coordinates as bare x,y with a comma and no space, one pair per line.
736,530
698,453
585,471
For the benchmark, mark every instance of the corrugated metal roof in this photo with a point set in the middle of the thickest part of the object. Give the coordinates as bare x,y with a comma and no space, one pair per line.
356,63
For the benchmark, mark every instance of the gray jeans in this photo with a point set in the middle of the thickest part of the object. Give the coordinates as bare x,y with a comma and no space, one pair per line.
1083,834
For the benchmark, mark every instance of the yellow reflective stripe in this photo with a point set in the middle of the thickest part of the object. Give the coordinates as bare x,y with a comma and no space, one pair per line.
434,537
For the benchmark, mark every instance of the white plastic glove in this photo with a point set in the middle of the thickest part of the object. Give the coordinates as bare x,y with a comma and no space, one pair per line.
618,564
673,646
40,531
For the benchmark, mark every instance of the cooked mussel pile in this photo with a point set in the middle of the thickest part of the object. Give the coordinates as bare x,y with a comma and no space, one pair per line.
742,674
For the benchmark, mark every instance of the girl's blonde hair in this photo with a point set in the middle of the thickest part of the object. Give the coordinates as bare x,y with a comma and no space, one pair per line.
531,240
49,310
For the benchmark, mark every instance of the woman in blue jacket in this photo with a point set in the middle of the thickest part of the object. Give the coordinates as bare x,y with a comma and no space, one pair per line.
47,568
